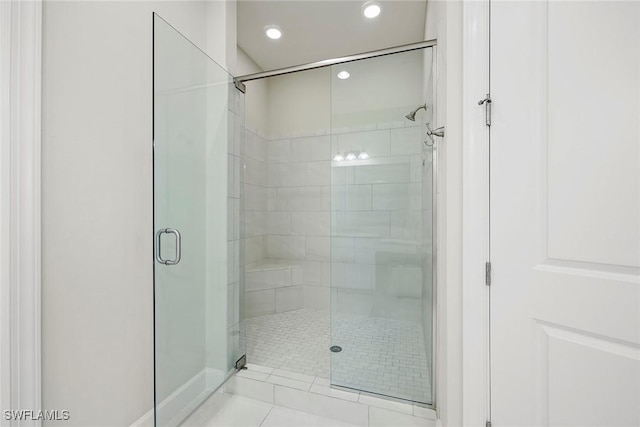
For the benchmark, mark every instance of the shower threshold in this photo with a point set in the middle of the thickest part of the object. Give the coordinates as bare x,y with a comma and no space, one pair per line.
257,397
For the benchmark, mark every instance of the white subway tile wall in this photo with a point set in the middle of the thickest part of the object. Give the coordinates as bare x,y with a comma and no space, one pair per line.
262,302
304,210
267,277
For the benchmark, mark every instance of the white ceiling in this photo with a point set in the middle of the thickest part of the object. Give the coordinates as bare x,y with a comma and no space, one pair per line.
315,30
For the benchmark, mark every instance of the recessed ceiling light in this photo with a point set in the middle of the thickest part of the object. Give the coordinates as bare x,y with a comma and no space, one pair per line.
343,75
273,32
371,9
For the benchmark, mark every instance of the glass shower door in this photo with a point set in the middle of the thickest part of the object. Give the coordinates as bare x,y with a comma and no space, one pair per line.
196,325
382,195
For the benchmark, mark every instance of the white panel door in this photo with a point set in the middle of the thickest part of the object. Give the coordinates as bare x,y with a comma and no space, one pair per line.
565,213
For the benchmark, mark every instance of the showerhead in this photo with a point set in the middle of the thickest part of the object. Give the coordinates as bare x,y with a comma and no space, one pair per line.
412,115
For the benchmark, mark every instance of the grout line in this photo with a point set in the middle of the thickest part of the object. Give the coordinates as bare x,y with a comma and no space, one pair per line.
268,413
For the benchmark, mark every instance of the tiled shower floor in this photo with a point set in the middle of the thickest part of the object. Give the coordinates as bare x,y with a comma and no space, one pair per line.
378,355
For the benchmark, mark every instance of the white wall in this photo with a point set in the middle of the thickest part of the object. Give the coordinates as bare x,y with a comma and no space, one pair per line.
444,23
256,102
379,90
314,100
97,290
299,102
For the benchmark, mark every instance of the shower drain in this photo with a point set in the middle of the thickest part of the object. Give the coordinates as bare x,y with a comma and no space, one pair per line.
335,348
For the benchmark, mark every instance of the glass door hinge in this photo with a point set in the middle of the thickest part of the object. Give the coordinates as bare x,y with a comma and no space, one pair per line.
240,363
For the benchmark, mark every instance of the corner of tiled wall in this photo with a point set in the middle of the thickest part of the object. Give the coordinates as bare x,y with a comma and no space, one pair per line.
235,227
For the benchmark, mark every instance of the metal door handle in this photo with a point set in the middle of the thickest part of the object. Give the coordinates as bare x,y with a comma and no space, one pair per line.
178,246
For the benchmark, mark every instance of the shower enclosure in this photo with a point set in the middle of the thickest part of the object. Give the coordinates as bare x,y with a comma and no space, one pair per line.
347,246
306,246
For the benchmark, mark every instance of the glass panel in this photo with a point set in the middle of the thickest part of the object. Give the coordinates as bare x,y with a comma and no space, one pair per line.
196,324
381,226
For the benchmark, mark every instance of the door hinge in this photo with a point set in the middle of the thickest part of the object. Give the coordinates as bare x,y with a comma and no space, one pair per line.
487,109
487,273
488,423
241,363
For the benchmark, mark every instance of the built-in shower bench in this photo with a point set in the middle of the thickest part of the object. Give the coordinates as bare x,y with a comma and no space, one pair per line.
269,289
